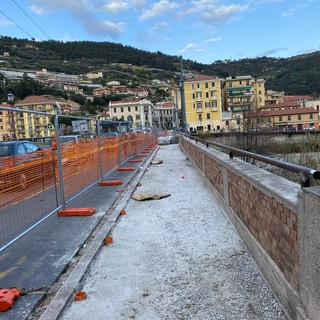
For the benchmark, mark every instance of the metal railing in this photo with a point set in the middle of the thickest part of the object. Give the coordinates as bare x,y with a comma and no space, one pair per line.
305,173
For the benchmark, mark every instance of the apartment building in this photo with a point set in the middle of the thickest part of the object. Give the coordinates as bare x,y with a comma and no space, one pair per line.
203,103
165,115
244,93
137,112
34,126
288,116
7,128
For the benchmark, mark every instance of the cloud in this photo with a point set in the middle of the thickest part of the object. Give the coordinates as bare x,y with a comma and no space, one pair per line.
188,47
159,27
292,11
159,8
272,51
224,13
307,50
84,11
115,6
214,39
5,22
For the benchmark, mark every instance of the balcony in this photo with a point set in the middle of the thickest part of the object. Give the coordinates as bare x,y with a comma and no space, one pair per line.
247,88
199,110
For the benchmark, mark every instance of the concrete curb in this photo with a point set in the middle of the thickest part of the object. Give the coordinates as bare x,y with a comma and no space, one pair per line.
74,281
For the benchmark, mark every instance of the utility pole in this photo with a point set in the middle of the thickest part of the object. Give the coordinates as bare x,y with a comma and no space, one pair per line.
183,101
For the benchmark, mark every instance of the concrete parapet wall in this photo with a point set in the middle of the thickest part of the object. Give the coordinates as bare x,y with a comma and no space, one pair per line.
270,214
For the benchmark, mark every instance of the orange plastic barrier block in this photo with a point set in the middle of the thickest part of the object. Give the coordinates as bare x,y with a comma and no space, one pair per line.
111,183
108,240
76,212
126,169
82,295
7,297
135,160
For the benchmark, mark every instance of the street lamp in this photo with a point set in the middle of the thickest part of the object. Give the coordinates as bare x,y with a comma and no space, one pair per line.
11,98
183,101
12,124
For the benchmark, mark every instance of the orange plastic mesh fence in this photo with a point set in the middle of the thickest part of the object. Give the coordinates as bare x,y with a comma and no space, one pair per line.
24,174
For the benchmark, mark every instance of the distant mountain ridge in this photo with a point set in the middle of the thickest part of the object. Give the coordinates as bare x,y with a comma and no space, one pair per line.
297,75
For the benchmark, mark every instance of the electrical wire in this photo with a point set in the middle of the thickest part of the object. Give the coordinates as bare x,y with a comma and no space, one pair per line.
17,25
31,19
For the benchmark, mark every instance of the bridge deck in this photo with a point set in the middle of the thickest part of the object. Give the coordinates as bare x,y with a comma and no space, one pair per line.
174,258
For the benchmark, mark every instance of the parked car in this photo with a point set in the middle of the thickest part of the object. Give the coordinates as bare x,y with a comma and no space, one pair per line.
71,137
12,148
23,163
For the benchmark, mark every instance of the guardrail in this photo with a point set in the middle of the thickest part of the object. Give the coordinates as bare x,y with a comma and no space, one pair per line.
305,173
36,185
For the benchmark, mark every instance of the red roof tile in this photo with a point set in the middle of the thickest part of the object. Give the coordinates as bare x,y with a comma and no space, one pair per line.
201,78
34,99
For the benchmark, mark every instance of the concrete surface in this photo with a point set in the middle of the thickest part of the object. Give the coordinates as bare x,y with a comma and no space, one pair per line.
41,256
174,258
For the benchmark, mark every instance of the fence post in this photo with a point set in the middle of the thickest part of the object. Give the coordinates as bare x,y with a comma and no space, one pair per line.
57,133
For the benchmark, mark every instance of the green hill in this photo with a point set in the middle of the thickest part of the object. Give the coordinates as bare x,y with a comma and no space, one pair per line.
296,75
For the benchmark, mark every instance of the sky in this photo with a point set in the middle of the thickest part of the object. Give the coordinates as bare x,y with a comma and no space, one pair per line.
204,31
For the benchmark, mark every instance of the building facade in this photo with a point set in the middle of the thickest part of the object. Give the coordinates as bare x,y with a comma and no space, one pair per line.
203,103
165,115
137,112
7,127
34,126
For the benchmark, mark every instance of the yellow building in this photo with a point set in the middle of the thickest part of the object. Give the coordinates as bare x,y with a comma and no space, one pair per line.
34,126
203,104
7,129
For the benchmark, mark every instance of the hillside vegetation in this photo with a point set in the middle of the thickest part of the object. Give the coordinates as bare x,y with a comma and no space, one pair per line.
296,75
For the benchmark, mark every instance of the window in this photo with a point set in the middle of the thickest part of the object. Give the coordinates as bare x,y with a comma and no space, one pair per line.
193,96
230,84
248,82
121,109
280,118
194,106
192,86
206,85
213,84
129,109
115,110
208,116
137,117
289,117
199,105
299,116
207,104
207,94
136,108
198,85
311,115
214,104
200,117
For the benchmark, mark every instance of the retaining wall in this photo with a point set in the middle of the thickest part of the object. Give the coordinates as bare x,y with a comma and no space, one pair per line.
277,221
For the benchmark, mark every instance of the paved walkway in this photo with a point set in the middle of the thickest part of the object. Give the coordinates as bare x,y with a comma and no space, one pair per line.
174,258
